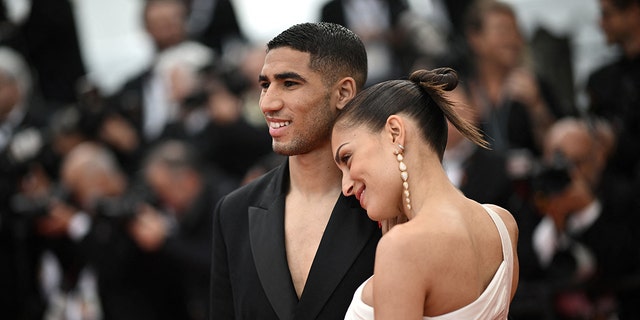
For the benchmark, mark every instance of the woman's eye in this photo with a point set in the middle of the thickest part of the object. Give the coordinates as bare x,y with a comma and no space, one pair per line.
345,158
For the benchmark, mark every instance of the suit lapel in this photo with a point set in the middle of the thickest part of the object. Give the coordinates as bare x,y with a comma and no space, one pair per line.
266,223
345,237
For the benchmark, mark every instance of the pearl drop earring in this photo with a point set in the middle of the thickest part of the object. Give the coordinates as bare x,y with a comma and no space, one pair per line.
404,175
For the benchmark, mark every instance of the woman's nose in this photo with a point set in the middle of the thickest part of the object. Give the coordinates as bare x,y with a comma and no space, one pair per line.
347,185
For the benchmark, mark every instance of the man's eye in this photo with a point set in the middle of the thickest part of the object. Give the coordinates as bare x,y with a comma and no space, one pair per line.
264,85
290,83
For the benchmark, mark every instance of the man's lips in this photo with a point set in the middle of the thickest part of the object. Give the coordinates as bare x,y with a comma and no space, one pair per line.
276,126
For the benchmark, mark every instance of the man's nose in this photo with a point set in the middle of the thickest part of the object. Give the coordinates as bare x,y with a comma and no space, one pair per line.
270,101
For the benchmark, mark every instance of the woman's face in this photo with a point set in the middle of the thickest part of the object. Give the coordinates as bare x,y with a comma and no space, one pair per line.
369,170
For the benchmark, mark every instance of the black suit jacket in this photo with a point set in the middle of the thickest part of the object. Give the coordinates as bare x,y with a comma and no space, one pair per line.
250,274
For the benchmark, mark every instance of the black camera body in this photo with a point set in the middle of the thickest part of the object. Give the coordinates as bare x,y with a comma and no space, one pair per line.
552,177
124,208
33,207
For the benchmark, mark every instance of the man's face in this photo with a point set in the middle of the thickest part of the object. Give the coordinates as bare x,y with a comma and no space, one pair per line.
165,24
297,105
577,145
614,22
499,40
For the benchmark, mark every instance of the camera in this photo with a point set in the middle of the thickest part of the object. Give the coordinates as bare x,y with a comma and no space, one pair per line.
552,177
125,207
33,207
195,100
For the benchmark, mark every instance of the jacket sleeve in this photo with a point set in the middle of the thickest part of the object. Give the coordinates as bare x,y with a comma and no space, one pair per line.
222,306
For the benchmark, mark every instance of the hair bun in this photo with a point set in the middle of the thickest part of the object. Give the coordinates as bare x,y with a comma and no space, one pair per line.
445,78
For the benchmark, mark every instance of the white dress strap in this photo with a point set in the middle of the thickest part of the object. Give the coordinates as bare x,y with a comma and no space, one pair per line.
505,238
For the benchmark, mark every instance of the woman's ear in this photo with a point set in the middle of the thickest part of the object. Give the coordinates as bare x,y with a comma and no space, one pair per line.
346,91
395,129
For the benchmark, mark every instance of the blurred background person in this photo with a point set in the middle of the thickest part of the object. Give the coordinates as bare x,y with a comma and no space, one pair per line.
228,140
177,232
47,37
143,107
134,249
516,106
613,89
21,140
584,252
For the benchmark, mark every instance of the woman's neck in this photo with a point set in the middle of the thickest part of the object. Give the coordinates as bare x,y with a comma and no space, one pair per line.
429,185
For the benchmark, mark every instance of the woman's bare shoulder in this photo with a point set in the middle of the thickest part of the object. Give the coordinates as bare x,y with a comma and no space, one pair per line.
508,219
429,241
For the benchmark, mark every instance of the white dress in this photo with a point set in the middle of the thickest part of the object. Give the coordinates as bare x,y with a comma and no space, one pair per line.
492,304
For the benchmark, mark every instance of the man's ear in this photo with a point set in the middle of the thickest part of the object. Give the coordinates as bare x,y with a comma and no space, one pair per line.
395,129
346,91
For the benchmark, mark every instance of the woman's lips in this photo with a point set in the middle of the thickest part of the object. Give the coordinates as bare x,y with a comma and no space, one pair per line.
360,196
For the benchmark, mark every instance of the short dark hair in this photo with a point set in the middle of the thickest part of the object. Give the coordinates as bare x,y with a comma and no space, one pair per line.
624,4
421,97
335,50
150,3
175,154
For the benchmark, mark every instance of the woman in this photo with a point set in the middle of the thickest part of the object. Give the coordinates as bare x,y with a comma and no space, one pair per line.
453,258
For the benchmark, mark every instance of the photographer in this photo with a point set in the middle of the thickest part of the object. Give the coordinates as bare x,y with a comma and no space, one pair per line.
20,144
126,239
147,240
582,244
177,232
149,104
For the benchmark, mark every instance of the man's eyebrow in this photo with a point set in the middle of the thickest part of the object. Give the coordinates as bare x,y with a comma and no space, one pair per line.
289,75
337,156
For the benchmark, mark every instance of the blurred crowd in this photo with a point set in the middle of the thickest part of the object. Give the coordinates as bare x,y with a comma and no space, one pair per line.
106,199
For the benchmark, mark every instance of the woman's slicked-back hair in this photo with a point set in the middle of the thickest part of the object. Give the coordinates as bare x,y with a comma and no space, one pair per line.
421,97
335,51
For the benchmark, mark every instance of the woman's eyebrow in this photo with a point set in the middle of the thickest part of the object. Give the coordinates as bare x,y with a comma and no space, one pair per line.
337,156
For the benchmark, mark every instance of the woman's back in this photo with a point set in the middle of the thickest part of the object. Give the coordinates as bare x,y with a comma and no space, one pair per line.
448,256
470,253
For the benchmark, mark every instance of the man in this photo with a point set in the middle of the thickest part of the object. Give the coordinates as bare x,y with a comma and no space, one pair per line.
149,103
516,105
148,241
48,39
21,143
613,89
176,231
288,245
583,245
